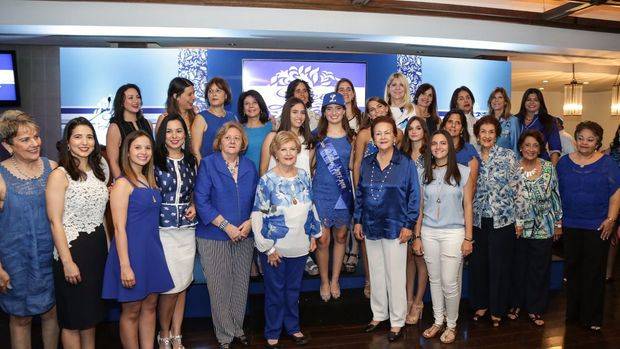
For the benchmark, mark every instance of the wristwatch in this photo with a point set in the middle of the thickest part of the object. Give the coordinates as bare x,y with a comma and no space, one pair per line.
558,225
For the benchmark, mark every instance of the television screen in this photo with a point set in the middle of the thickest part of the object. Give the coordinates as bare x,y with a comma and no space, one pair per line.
9,87
271,78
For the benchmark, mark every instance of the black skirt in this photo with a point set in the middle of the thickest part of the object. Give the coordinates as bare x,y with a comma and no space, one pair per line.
80,306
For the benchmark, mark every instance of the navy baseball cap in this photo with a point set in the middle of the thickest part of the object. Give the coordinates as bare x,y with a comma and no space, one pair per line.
333,98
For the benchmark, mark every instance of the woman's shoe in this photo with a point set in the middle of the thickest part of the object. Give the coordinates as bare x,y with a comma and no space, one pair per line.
448,336
394,336
176,342
513,313
335,292
479,314
243,340
350,262
432,331
371,327
164,342
496,321
367,289
272,346
415,314
311,268
536,319
300,340
325,295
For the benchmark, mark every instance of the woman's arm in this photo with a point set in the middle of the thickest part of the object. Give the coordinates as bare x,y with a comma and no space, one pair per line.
555,144
468,210
119,202
197,131
360,146
265,156
113,145
474,165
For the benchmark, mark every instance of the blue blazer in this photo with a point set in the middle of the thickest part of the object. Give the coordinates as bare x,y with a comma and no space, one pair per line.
216,193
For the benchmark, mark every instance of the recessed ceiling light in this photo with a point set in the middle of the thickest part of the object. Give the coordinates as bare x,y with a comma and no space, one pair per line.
545,81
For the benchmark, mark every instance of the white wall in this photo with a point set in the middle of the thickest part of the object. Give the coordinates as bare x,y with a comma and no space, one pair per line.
596,107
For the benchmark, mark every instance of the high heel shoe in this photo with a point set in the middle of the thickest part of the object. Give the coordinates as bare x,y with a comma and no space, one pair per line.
415,314
176,341
334,292
163,341
325,296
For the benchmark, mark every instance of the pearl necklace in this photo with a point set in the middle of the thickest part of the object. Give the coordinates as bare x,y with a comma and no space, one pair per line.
376,193
23,174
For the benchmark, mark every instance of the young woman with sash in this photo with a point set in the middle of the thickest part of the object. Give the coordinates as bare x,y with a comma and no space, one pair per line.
332,189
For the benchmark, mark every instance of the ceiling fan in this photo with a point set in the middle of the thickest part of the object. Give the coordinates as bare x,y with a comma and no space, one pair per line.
575,6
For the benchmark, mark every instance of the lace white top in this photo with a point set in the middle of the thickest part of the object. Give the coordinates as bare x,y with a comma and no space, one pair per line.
85,203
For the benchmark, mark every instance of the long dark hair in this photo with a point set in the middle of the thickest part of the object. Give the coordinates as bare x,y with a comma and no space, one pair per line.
119,99
161,152
70,163
321,129
290,91
452,171
264,111
357,113
285,121
176,88
365,116
432,109
543,115
464,131
407,144
455,97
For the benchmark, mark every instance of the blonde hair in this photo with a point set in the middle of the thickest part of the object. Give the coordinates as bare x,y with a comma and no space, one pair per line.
217,143
282,138
148,170
408,105
507,106
11,121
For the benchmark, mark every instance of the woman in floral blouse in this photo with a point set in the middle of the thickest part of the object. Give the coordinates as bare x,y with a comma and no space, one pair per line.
494,218
539,223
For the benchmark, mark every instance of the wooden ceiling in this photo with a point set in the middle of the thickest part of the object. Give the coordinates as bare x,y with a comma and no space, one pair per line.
595,15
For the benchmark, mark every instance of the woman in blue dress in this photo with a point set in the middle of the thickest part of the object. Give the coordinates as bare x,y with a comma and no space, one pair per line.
136,270
285,227
332,189
499,106
208,122
455,122
254,116
26,280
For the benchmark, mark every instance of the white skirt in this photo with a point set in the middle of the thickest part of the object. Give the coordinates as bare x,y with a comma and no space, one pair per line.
180,250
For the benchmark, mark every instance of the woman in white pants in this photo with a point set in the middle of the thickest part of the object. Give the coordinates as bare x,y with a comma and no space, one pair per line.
444,230
386,210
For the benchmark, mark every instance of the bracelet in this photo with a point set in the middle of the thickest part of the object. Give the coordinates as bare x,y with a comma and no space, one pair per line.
223,224
611,219
469,240
415,237
558,225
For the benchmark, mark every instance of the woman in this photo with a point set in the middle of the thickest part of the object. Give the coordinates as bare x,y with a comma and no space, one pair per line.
180,101
455,123
463,100
425,104
126,117
223,196
533,115
76,197
353,113
136,271
386,211
175,172
538,224
286,228
398,97
208,122
499,184
444,230
614,152
254,116
414,146
589,187
499,106
301,89
26,281
332,189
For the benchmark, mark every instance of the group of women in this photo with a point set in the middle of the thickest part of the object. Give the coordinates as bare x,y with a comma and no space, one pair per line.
419,192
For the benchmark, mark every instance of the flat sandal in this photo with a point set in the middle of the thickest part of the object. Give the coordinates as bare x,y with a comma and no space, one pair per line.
432,331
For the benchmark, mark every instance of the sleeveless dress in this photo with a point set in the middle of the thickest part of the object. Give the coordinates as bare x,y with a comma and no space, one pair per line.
146,254
80,306
325,191
26,245
176,232
214,123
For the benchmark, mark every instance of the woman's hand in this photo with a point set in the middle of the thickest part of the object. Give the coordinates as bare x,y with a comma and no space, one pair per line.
417,247
190,213
312,244
5,281
72,273
519,231
405,235
233,232
128,279
357,231
245,228
274,259
605,228
557,233
467,248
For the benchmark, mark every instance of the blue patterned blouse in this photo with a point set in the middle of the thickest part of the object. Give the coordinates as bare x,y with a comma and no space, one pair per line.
177,187
499,183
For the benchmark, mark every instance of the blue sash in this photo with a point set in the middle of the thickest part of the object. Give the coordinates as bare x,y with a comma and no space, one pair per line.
337,169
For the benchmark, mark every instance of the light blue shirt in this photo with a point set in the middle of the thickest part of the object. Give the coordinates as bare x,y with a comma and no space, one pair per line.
509,137
443,202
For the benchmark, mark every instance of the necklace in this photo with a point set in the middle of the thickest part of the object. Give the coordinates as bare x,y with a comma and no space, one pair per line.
233,167
444,165
584,159
22,173
376,193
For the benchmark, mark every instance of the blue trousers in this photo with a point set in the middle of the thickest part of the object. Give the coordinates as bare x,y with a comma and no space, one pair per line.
282,286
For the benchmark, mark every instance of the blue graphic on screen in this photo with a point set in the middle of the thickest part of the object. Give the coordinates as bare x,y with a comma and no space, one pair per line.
8,90
271,78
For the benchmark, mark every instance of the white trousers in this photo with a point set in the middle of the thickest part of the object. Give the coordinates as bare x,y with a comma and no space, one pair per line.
444,261
386,262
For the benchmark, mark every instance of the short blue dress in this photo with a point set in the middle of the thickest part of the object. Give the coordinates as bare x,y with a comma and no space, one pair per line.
26,245
146,254
325,191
